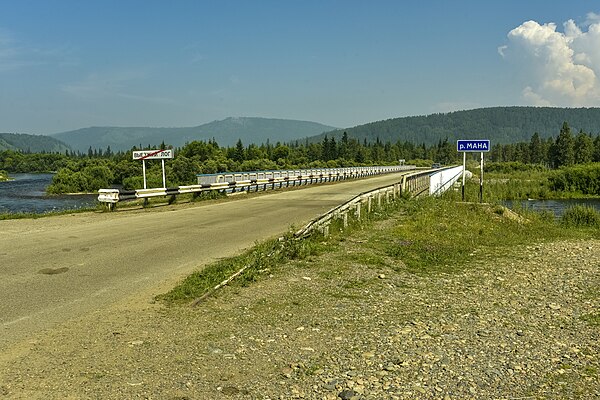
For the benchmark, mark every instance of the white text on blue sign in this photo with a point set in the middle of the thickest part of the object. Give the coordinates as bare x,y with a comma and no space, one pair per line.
473,145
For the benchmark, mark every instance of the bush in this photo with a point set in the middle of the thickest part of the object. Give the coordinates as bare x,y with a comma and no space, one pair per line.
508,167
584,179
581,216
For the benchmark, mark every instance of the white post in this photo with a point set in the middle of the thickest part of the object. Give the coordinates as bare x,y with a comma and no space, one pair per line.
163,171
144,172
481,181
463,177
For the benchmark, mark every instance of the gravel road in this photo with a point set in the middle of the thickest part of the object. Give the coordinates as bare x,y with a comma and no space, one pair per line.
54,269
522,326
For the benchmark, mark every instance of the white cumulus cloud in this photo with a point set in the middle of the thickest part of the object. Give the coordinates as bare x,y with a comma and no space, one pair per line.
559,68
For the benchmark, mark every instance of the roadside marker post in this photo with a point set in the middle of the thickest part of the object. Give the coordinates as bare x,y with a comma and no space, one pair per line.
153,155
473,146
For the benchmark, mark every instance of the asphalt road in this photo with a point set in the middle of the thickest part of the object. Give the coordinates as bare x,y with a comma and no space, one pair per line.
57,268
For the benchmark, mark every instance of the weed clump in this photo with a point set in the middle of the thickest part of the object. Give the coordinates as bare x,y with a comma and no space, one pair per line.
581,216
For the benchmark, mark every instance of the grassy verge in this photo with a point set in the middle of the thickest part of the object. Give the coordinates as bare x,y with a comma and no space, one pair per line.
23,215
540,184
422,235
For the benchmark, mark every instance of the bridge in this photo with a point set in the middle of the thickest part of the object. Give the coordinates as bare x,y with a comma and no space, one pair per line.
56,269
417,182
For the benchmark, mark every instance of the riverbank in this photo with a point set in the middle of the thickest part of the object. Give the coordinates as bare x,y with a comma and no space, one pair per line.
362,321
24,195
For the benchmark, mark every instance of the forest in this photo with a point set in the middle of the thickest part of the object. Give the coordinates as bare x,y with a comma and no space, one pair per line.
501,125
77,173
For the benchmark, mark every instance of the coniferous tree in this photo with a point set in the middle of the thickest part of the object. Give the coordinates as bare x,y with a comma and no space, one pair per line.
584,148
535,149
238,154
596,157
564,154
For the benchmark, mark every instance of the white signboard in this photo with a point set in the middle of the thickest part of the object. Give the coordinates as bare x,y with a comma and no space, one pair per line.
152,154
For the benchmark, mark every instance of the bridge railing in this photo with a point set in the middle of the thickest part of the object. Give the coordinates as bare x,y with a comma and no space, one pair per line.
415,183
257,180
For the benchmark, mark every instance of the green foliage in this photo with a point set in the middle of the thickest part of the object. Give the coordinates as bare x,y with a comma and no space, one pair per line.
15,161
581,216
153,180
439,235
88,172
564,148
88,179
429,236
501,125
584,179
513,166
265,257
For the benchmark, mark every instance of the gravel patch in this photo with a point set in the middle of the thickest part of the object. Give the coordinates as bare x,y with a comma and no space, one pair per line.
522,326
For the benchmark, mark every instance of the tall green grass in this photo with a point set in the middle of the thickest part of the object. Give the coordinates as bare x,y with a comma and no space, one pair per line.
427,235
581,216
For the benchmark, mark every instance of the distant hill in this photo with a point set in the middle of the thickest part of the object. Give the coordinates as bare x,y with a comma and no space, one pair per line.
225,132
31,143
499,124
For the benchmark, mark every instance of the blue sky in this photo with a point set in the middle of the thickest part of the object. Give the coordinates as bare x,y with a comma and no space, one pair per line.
72,64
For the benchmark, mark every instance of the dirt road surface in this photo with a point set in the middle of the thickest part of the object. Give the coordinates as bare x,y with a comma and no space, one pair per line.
58,268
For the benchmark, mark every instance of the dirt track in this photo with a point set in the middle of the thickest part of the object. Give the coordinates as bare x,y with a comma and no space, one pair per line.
58,268
349,324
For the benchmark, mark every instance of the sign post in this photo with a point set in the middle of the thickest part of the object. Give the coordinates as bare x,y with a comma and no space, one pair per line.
473,146
153,155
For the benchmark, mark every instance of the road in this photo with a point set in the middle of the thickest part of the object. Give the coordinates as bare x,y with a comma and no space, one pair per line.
57,268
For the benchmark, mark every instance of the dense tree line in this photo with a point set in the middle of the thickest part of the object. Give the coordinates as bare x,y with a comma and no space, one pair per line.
566,149
499,124
100,168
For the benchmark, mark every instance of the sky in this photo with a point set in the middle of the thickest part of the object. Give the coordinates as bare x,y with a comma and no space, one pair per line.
70,64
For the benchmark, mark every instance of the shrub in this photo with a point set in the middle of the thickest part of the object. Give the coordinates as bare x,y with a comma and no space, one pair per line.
581,216
583,179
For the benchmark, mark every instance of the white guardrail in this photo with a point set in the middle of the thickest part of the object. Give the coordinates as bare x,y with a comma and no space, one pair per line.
259,180
443,180
439,181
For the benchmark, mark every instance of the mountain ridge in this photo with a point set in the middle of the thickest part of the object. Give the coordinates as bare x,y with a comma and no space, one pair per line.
226,132
31,143
503,125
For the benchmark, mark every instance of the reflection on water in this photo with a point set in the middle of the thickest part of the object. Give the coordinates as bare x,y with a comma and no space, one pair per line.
558,207
27,193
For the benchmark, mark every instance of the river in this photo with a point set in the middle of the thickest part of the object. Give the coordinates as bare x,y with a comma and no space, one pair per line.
558,207
26,193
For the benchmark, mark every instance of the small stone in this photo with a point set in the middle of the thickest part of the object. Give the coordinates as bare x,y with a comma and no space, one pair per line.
347,394
329,386
381,276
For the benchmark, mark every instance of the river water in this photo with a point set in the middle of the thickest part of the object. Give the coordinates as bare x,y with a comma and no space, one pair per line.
558,207
27,193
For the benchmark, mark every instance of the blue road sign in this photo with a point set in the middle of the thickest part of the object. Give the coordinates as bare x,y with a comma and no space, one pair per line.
473,145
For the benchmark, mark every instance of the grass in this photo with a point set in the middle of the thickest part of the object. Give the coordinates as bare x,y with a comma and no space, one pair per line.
263,259
428,235
22,215
581,216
